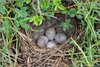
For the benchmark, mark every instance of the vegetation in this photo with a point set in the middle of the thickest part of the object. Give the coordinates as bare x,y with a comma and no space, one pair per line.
17,14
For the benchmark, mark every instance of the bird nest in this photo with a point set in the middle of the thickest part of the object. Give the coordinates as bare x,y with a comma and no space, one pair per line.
33,56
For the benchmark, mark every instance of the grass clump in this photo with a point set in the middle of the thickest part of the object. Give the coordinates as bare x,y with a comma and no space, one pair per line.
90,45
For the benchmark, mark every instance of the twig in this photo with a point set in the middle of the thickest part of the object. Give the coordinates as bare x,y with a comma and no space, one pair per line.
22,35
72,6
59,60
32,4
38,7
3,39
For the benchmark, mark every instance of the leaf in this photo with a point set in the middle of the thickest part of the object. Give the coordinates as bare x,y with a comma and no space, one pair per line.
25,26
18,13
44,4
6,28
20,3
21,12
24,12
51,14
64,12
27,1
72,12
2,1
94,6
67,20
37,20
79,16
2,9
66,24
55,8
61,7
72,15
56,2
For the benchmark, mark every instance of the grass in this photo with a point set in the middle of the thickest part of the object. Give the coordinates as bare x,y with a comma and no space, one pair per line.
81,52
84,54
90,42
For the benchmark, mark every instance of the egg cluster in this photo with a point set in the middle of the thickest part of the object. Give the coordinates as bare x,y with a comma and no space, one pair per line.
51,38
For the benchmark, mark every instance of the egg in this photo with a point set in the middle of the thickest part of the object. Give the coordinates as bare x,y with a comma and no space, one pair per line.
50,33
60,37
42,41
51,44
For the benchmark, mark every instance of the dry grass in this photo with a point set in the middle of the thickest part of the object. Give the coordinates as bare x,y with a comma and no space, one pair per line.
41,57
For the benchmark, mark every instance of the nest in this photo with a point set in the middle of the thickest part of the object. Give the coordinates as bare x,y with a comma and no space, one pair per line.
33,56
